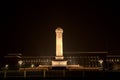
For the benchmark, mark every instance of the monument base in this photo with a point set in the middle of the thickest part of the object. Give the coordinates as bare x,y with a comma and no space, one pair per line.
59,57
59,63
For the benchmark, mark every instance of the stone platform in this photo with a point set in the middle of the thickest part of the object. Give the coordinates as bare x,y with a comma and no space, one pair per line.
59,63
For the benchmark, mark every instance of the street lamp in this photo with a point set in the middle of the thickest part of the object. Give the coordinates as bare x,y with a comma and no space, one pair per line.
6,66
20,62
101,63
32,65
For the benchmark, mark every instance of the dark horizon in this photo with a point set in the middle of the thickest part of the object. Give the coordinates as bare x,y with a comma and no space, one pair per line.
29,27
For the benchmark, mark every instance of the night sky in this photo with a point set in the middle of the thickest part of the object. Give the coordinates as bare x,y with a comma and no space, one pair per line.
29,27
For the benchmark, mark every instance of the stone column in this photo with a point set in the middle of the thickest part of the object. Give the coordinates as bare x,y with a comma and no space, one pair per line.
59,44
59,59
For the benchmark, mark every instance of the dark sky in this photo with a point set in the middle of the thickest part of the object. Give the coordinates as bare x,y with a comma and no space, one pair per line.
29,27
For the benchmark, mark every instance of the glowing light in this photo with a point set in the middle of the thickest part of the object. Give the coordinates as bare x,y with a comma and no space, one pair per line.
100,61
6,66
32,65
20,62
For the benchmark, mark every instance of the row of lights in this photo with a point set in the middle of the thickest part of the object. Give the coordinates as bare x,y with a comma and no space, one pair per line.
20,64
6,66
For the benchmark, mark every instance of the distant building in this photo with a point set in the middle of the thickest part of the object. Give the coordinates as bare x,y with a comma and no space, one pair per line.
86,59
12,60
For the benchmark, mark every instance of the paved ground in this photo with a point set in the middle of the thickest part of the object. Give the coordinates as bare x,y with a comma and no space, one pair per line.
60,74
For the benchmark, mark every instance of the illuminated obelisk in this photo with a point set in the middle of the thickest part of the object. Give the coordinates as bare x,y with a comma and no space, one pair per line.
59,59
59,43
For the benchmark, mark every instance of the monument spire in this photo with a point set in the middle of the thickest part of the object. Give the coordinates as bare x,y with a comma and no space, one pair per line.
59,59
59,43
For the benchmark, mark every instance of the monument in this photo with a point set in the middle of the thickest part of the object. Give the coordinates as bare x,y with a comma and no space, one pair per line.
59,58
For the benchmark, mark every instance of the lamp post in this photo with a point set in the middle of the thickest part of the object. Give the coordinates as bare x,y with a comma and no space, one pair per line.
101,63
6,67
32,65
20,63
